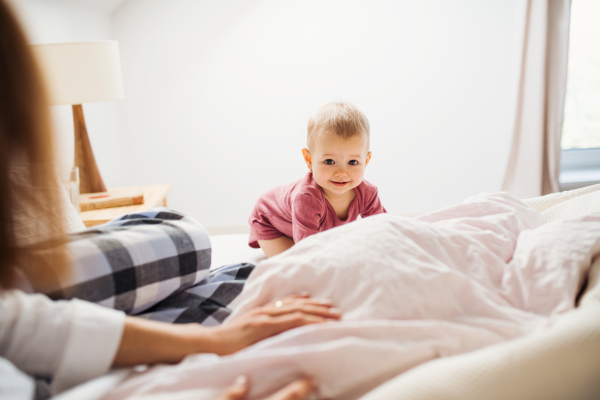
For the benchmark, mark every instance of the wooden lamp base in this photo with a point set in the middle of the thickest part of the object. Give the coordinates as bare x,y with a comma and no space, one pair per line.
90,180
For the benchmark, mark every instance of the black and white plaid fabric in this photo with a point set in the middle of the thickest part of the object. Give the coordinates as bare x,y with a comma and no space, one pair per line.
154,264
205,302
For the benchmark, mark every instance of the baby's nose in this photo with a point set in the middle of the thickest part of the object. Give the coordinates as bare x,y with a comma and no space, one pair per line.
341,172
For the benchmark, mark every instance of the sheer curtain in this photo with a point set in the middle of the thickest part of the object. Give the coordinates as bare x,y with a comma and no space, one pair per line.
534,161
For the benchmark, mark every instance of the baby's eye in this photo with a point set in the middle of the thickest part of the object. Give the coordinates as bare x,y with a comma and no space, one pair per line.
353,162
329,161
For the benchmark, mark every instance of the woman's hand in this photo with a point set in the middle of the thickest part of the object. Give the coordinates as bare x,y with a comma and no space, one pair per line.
297,390
147,342
270,320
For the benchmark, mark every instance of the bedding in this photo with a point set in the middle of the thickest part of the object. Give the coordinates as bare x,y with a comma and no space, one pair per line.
543,203
585,203
560,363
233,249
412,290
207,301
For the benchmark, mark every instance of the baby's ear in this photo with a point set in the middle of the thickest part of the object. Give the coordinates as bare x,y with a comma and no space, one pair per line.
307,158
368,159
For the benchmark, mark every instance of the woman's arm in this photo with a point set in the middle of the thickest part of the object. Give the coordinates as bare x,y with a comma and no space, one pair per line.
145,342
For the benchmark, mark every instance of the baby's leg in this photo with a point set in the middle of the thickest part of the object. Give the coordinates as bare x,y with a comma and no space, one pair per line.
275,246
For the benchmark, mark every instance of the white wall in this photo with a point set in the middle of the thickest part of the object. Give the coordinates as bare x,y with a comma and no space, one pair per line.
56,21
219,94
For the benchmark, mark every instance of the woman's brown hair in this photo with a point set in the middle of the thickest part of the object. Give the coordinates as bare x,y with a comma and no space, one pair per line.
25,139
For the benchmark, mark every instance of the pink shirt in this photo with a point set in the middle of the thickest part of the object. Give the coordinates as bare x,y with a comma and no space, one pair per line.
300,209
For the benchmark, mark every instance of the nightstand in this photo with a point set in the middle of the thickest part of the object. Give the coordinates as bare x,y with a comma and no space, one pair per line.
154,196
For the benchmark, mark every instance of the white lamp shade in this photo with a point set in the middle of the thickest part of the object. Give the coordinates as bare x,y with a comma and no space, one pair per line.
83,72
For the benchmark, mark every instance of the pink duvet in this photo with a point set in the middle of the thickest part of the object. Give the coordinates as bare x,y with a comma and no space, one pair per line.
411,289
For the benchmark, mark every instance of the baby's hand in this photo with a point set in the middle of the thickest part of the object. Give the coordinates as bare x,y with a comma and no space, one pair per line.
297,390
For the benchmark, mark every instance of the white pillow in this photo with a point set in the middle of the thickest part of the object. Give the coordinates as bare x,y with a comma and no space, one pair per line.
543,203
586,204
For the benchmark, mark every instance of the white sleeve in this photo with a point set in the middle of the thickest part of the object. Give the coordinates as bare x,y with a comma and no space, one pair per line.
70,341
14,384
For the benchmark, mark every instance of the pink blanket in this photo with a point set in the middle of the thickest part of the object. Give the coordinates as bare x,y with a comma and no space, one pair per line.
479,273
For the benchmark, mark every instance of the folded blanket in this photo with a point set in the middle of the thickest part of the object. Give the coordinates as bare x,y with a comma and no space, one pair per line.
411,290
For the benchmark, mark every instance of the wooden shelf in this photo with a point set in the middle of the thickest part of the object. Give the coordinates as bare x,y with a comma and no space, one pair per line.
154,196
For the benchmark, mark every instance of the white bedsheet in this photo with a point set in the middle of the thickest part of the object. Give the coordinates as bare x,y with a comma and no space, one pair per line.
411,290
233,249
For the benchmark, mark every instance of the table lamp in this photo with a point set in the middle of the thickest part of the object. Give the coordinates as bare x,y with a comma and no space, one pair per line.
77,73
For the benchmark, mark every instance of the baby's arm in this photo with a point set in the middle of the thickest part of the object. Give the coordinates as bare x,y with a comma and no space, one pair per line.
306,216
273,247
372,205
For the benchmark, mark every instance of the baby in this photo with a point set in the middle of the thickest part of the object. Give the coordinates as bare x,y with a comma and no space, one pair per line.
333,193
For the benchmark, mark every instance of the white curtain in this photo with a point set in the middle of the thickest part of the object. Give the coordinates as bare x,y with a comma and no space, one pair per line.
534,161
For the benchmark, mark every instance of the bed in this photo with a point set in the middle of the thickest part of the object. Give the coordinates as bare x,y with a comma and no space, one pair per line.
233,249
526,356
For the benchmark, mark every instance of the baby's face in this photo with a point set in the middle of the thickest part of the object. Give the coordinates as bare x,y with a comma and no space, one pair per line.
338,164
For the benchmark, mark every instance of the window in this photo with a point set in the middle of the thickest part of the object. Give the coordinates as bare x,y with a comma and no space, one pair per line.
580,163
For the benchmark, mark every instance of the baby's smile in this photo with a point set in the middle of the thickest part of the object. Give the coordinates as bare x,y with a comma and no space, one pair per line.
339,184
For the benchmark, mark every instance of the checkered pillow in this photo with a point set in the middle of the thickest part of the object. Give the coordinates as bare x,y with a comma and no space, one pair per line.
135,261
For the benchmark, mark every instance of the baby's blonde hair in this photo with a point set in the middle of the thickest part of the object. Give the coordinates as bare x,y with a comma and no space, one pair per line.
340,118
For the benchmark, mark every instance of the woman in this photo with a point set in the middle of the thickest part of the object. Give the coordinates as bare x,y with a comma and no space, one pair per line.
69,342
